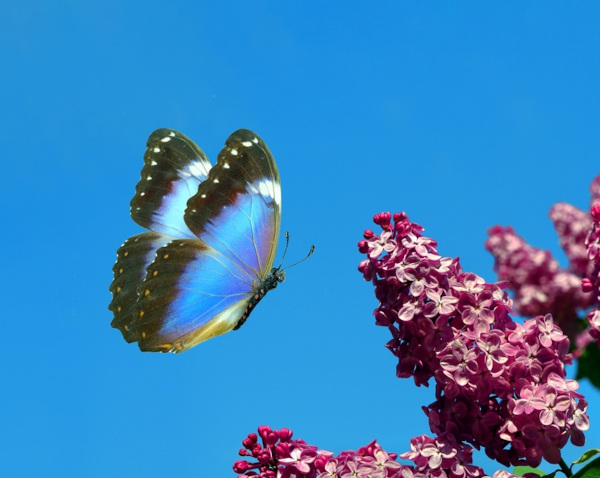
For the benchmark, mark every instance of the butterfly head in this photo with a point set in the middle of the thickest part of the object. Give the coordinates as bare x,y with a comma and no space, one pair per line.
277,275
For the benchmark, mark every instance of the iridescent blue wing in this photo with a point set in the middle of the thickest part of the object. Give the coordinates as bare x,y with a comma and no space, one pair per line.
198,287
237,210
173,168
191,293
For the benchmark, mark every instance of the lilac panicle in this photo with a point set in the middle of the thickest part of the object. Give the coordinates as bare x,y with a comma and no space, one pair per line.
540,285
572,225
499,385
277,455
592,284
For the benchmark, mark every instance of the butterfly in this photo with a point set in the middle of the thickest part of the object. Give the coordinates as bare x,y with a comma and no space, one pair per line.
207,257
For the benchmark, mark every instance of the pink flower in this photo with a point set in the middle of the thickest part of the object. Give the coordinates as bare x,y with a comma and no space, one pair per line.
491,374
301,459
540,285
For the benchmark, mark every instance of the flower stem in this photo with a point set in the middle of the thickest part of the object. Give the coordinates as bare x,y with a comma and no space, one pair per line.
565,469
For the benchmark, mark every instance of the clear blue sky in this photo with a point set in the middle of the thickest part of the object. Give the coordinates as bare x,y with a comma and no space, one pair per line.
463,114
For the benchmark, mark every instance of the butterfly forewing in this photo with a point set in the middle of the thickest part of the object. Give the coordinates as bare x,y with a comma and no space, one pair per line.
214,239
237,210
173,168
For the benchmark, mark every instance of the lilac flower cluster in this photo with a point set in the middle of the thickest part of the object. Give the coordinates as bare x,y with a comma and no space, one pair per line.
277,455
500,385
592,284
539,284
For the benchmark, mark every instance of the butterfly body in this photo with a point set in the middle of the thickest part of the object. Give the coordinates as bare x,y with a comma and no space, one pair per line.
207,258
269,283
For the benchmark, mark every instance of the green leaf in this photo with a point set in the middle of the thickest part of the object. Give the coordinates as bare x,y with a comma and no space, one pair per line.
588,365
521,470
586,456
591,470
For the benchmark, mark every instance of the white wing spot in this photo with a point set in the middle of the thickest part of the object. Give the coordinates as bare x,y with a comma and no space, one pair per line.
270,190
226,165
255,140
195,169
153,163
148,178
157,150
166,139
263,188
172,134
203,196
234,151
216,180
247,143
142,193
277,193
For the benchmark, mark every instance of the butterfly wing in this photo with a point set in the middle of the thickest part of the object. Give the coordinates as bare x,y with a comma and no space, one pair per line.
133,258
197,287
191,293
237,210
173,169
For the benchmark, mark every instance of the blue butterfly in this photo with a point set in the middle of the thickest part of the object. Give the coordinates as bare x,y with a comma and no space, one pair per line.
207,258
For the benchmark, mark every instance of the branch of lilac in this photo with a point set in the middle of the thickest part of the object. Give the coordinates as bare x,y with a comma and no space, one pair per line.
500,385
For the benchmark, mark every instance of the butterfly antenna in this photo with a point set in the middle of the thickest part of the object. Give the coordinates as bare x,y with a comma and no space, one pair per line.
287,239
287,243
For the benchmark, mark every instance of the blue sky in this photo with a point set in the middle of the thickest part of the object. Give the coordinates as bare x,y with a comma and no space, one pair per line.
463,114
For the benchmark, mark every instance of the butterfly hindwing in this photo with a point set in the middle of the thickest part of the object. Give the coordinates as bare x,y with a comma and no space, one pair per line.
133,257
191,293
214,233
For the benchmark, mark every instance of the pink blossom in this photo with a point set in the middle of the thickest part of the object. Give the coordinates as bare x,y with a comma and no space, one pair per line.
540,285
491,373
